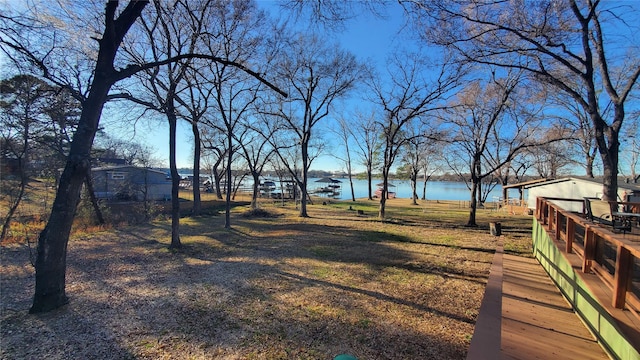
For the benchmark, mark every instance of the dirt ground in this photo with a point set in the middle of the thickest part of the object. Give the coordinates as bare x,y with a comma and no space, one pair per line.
278,287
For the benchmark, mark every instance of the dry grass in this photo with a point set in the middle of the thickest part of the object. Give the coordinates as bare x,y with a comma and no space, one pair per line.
272,287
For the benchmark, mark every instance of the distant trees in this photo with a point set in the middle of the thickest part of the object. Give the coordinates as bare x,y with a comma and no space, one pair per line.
551,158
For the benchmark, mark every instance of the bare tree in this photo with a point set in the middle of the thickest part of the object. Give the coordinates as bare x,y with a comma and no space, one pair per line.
213,155
549,159
345,134
430,162
409,96
317,74
570,44
368,144
195,102
413,158
571,117
489,125
257,151
170,30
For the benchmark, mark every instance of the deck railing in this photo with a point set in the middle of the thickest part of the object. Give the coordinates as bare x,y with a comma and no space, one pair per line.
611,256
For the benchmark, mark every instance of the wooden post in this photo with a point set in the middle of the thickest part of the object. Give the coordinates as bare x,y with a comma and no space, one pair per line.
589,249
558,228
571,232
621,278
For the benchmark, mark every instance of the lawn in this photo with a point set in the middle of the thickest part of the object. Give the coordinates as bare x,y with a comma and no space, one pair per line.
272,287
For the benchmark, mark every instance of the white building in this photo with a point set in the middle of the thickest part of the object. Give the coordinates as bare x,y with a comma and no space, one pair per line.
577,188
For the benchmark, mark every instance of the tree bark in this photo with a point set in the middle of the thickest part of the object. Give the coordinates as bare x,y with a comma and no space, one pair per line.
474,204
369,180
353,192
197,205
303,184
256,189
227,215
175,180
414,188
92,196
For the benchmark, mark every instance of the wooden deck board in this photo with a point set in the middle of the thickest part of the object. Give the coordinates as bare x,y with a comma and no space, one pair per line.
537,322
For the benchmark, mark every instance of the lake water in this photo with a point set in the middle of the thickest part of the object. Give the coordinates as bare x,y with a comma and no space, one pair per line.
436,190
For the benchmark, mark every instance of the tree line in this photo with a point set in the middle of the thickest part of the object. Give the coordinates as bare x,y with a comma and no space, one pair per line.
485,95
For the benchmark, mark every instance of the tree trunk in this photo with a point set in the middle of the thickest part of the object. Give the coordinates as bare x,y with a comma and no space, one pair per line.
607,138
353,193
383,195
51,259
474,204
216,183
92,196
505,191
589,166
424,187
303,185
414,188
197,206
256,190
227,213
175,181
369,180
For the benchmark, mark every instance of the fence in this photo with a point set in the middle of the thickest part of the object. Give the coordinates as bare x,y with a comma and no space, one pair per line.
614,258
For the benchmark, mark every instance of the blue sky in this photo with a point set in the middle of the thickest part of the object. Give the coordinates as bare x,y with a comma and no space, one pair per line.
368,37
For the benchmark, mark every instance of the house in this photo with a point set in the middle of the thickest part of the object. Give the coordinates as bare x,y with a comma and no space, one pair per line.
577,188
129,182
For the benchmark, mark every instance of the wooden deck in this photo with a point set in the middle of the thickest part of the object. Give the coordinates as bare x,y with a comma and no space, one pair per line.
537,322
524,316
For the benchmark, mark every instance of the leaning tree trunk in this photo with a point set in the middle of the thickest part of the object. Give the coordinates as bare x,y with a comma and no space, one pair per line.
51,259
353,192
92,196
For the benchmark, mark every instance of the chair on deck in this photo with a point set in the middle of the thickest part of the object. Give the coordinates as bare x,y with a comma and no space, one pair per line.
600,211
